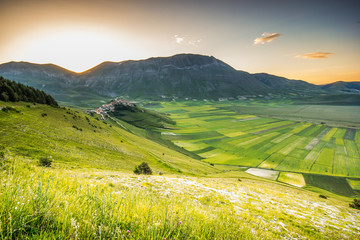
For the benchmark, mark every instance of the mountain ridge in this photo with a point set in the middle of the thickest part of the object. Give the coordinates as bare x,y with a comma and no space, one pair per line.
180,76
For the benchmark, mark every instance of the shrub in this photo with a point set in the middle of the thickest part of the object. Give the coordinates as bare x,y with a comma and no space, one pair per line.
8,109
45,162
2,155
143,168
355,204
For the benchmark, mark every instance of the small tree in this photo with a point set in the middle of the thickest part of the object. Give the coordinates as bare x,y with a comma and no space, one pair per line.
355,204
45,162
143,168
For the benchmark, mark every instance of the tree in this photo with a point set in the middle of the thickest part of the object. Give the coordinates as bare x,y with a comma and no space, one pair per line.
355,204
143,168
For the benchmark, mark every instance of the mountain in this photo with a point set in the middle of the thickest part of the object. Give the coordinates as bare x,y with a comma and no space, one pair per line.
283,84
182,76
342,87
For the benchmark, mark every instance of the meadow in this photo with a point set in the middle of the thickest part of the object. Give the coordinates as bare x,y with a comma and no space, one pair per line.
90,192
56,203
224,133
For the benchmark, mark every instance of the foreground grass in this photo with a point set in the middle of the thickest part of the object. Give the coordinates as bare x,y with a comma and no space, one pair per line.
46,203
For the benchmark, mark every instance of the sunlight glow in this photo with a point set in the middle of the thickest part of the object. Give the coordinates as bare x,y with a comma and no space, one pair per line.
75,48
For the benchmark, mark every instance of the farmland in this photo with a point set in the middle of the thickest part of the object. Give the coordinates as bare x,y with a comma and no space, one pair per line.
222,133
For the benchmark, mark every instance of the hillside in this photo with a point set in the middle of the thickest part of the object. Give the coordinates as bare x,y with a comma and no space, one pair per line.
178,76
11,91
89,192
75,139
342,87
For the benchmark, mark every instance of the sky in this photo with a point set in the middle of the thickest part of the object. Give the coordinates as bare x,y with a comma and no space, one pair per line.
313,40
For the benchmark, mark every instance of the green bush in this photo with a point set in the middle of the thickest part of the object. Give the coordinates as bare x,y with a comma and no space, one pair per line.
143,168
45,162
355,204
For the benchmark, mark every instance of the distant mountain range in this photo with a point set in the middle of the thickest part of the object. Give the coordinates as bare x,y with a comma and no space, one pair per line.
182,76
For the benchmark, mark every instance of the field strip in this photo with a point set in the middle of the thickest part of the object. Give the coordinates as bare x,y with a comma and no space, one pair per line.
323,133
245,119
316,140
354,183
330,134
317,156
295,179
272,161
350,134
265,173
300,128
281,138
313,155
286,150
265,137
274,128
312,144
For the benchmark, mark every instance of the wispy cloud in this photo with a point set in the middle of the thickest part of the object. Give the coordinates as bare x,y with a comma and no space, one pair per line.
187,40
194,42
315,55
178,39
266,37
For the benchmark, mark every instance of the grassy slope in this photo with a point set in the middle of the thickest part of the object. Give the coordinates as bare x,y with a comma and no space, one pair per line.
89,193
97,146
52,203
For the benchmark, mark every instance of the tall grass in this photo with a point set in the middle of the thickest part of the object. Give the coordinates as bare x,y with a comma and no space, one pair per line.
40,203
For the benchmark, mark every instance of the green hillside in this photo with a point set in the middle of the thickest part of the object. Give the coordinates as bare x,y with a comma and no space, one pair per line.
74,139
90,192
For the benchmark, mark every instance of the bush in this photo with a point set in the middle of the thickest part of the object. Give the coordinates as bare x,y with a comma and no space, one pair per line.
2,155
322,196
143,169
45,162
8,109
355,204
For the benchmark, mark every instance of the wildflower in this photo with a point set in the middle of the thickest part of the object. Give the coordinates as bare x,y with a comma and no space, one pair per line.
128,231
180,222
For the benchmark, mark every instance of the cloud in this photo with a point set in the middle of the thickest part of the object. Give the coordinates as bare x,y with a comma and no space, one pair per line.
266,37
186,40
315,55
194,42
178,39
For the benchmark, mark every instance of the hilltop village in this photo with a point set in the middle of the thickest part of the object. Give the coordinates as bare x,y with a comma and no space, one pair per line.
110,107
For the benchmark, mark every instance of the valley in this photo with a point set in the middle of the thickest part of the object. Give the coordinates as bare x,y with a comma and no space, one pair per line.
225,133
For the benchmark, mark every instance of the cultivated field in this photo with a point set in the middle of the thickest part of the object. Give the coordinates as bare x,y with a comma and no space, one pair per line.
222,134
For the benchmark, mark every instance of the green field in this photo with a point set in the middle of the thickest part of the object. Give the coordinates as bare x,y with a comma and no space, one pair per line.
90,192
224,133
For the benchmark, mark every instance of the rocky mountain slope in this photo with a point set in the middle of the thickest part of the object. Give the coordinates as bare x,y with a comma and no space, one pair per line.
182,76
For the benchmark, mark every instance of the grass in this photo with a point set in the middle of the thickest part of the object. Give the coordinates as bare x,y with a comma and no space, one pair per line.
53,203
98,145
295,179
89,192
354,183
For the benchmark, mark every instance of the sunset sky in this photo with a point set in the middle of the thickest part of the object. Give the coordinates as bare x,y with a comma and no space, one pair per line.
313,40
